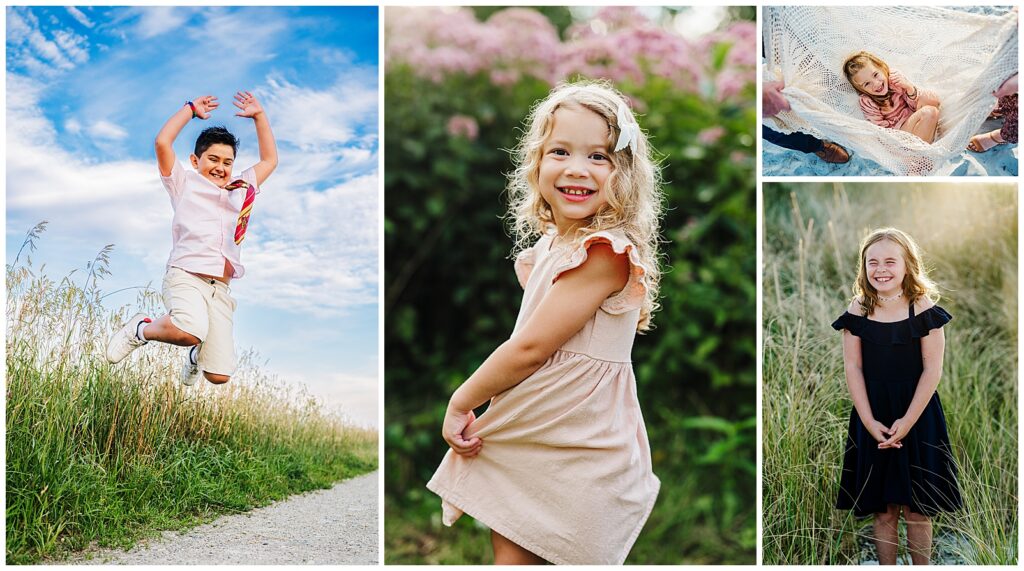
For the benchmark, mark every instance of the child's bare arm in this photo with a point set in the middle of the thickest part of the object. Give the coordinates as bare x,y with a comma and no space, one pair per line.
169,132
251,108
566,308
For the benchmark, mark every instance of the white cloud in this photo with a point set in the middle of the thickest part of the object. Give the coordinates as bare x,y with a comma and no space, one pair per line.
333,56
157,20
48,51
354,395
310,118
25,120
241,37
78,15
20,24
75,46
28,46
104,129
316,251
73,126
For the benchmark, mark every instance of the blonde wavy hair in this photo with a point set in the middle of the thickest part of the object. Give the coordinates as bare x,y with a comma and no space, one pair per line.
859,61
633,189
916,283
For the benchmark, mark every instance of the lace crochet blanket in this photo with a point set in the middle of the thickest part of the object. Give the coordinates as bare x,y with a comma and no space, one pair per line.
962,56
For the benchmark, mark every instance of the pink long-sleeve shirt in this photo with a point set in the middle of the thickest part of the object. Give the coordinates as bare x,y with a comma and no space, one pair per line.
900,108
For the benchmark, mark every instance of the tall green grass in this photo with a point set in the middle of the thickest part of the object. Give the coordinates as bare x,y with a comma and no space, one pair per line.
109,453
811,238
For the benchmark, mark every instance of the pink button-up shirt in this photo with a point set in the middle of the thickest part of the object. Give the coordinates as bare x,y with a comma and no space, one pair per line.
205,216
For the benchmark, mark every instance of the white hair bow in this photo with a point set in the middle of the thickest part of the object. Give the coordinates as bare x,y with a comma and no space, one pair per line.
629,131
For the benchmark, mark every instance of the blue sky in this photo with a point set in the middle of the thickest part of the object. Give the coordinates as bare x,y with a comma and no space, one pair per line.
87,90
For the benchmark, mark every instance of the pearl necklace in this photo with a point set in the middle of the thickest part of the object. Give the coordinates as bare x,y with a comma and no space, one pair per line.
893,298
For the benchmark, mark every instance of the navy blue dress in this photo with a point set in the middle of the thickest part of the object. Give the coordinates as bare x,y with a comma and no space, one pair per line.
921,474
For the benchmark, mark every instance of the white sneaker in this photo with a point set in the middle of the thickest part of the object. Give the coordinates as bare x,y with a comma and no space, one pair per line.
190,371
126,339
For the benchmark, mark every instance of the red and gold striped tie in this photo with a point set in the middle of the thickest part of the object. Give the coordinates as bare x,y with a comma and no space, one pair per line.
243,216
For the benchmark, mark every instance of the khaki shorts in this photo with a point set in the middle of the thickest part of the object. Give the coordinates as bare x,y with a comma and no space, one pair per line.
203,308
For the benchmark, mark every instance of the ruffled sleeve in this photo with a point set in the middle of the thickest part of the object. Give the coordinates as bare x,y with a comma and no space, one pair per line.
524,264
897,333
932,318
850,322
630,297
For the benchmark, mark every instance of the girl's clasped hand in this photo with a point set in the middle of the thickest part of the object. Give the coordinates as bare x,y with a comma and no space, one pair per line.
885,436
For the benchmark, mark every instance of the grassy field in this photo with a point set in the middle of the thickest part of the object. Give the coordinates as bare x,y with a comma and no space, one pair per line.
812,233
101,454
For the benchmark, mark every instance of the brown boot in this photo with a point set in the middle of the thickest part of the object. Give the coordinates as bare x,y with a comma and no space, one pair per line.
833,153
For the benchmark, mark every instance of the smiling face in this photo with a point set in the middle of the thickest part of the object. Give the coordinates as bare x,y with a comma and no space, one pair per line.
575,166
871,80
215,164
885,267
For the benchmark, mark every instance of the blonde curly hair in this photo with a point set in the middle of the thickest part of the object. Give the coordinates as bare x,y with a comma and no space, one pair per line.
633,189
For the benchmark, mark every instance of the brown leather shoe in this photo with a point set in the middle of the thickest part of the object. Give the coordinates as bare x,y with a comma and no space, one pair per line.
833,153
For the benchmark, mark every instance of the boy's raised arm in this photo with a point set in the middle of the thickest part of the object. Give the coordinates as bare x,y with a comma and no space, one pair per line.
169,132
252,109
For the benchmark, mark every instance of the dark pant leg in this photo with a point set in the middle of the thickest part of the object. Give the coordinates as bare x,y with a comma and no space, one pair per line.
796,141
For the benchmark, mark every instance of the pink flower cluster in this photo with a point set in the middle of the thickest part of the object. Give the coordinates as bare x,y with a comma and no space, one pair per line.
621,44
740,67
618,43
463,126
437,42
711,135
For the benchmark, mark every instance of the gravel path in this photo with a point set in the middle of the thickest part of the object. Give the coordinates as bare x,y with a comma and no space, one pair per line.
335,526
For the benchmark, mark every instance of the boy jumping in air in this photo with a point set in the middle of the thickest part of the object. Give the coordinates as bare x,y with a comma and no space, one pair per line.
211,213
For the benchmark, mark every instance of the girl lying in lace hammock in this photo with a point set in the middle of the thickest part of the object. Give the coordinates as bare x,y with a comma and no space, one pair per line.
888,99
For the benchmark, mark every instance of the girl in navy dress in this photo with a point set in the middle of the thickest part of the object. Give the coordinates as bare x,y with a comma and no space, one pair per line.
898,458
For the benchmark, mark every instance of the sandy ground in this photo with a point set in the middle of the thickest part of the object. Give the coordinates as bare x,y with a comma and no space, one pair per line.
999,161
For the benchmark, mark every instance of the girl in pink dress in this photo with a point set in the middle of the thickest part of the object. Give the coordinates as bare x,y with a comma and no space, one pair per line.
559,466
888,99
